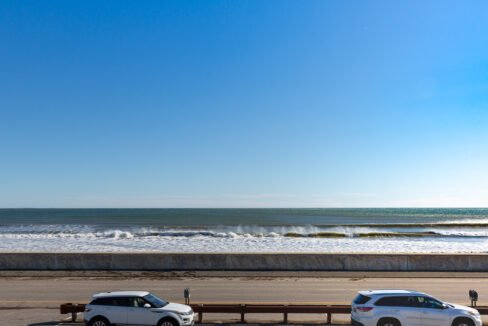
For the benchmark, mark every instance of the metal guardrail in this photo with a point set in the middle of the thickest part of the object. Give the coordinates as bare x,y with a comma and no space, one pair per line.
71,308
243,309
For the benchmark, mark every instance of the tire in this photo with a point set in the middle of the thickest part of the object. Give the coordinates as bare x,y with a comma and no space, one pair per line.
99,321
167,322
463,322
388,322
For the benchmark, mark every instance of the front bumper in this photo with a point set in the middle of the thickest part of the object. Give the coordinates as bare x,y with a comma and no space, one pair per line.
478,322
188,320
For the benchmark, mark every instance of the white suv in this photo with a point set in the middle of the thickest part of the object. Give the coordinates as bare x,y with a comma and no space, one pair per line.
135,308
408,308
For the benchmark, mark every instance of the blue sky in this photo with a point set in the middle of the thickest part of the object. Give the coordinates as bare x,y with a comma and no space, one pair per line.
243,103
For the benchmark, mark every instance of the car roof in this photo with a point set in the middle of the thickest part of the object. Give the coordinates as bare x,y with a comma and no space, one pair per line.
121,294
390,292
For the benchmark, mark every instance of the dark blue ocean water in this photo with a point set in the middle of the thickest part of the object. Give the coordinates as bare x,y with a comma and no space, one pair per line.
264,217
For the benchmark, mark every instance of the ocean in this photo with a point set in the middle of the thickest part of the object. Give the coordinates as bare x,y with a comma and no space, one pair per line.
327,230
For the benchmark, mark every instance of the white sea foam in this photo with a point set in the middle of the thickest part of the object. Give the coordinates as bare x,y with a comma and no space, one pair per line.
238,244
121,241
76,238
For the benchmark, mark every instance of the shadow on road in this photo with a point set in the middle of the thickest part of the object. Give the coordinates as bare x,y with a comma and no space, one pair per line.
55,323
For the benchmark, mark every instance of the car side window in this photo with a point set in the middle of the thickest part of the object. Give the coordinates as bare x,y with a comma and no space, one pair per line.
121,301
385,302
103,302
137,302
412,301
394,301
427,302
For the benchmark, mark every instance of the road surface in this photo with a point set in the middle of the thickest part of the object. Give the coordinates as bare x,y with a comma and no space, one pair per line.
26,298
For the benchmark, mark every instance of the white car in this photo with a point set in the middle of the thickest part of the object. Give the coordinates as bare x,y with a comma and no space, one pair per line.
408,308
135,308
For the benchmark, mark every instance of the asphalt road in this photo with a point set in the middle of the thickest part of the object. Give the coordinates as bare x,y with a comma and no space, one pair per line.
33,299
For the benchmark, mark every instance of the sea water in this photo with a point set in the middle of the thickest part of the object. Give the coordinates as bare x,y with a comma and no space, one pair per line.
440,230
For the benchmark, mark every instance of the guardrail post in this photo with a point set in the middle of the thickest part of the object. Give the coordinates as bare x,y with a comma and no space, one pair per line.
329,318
73,316
243,307
285,315
200,314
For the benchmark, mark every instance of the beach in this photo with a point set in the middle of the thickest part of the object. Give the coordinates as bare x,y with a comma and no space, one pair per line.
34,297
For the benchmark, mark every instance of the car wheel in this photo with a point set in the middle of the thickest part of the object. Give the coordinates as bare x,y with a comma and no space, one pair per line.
98,321
388,322
463,322
167,322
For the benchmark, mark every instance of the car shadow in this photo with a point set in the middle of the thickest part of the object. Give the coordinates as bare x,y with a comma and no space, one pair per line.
55,323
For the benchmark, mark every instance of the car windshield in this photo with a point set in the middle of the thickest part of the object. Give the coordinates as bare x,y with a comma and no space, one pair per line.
155,301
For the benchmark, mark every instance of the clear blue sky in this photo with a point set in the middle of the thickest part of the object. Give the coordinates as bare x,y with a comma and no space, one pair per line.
243,103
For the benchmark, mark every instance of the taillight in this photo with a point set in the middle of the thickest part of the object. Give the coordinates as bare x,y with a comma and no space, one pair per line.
364,309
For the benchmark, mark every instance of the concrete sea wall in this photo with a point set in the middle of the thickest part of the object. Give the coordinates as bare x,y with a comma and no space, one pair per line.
245,261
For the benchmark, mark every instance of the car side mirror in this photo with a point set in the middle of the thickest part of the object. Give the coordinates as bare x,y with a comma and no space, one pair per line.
147,305
445,306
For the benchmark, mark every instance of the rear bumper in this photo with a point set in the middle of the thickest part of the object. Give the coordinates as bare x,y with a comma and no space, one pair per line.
355,322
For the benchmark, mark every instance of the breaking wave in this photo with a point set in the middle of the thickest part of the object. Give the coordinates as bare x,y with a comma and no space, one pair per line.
248,230
369,231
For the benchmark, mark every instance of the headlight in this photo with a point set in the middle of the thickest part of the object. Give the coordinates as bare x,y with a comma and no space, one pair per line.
474,313
181,313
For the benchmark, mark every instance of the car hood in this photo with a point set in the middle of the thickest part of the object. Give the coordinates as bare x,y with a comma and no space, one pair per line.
464,308
177,307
